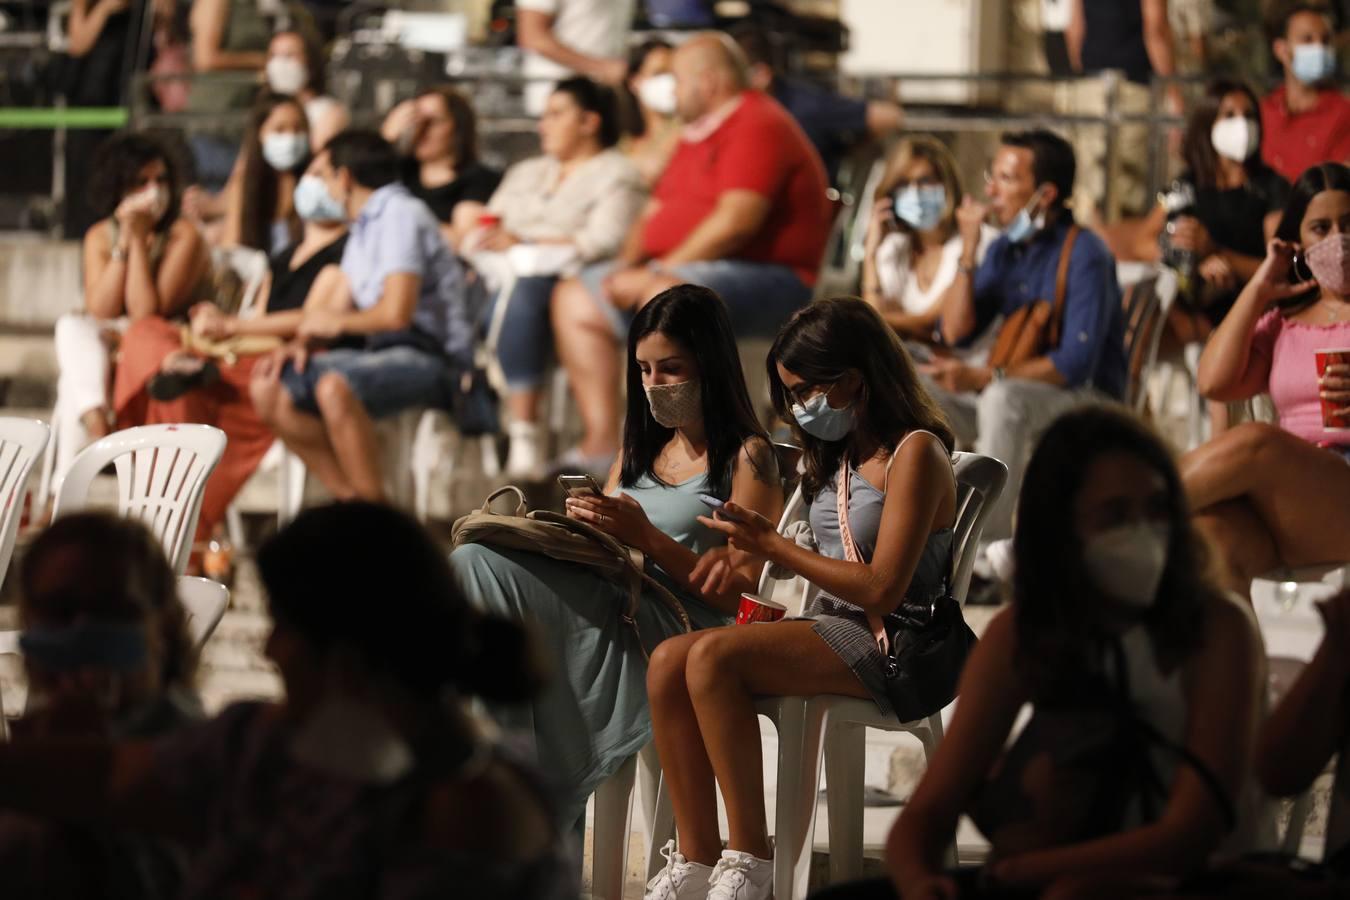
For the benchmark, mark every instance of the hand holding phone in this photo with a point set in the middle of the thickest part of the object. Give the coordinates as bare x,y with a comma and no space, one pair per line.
580,486
718,506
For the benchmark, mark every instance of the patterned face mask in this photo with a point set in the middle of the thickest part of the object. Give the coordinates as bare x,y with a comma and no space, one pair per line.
676,405
1329,261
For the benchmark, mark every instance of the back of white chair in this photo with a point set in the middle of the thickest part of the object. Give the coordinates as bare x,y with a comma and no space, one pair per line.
161,477
250,267
979,483
21,444
204,601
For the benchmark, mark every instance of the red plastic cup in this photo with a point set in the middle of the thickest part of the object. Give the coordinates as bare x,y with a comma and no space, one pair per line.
756,609
1333,357
489,220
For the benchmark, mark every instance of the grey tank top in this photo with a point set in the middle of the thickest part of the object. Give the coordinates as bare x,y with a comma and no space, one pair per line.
864,519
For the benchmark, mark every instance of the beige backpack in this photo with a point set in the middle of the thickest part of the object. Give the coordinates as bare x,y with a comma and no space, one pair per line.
557,536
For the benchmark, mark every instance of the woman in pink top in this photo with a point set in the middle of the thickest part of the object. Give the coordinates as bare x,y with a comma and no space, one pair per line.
1267,495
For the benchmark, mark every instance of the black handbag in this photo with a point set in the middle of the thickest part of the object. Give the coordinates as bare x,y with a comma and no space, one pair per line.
928,648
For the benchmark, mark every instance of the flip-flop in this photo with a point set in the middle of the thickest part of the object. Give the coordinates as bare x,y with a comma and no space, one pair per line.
167,386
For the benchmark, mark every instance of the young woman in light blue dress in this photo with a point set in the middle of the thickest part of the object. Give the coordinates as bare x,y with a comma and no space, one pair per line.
690,430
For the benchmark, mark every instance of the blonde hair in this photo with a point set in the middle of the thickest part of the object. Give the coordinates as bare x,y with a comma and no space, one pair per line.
930,149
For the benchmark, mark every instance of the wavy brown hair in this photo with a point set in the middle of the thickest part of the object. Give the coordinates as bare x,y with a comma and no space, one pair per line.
1058,634
821,343
259,182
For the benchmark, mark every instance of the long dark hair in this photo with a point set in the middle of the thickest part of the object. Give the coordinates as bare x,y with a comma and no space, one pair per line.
1197,148
1057,629
325,569
122,569
259,182
1313,181
118,163
460,110
820,344
696,319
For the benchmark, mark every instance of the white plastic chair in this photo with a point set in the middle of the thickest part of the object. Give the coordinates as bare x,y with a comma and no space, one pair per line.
161,477
21,444
204,601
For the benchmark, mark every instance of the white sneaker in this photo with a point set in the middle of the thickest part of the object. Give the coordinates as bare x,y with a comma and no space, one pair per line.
525,457
740,876
680,879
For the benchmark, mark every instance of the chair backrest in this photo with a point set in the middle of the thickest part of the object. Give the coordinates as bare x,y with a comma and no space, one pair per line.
205,602
979,483
21,444
1144,321
247,267
161,476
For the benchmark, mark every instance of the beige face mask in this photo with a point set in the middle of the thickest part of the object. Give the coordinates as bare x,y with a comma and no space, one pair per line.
676,405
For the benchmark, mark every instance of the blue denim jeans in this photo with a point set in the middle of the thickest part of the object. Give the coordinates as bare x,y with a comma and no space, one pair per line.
386,381
759,296
525,342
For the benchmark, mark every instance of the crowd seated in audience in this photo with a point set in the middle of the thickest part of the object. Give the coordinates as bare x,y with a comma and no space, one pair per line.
259,204
835,124
1079,356
140,260
368,779
651,131
1145,681
411,303
740,208
1279,495
570,206
294,67
912,248
1306,119
690,430
107,656
436,133
861,414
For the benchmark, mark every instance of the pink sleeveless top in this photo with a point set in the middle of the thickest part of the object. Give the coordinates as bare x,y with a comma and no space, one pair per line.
1287,348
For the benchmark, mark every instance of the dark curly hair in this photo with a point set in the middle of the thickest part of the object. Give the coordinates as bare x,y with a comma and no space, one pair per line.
121,572
116,169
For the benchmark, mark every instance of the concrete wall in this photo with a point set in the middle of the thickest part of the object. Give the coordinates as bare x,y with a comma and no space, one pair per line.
39,280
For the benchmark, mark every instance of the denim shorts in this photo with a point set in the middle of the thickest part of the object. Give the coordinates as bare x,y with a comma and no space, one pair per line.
386,381
759,296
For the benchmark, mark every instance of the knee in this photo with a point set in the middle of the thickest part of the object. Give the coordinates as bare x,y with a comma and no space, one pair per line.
665,672
265,396
333,395
1254,443
712,663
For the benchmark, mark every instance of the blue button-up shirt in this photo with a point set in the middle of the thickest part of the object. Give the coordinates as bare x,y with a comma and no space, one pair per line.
396,233
1091,351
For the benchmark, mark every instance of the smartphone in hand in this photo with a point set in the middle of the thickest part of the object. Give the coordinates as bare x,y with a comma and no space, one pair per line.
718,506
580,485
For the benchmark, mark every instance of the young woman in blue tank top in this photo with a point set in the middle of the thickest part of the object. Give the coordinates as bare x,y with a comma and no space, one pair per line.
840,374
690,430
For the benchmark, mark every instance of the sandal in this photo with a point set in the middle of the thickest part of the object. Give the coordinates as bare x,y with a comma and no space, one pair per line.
176,381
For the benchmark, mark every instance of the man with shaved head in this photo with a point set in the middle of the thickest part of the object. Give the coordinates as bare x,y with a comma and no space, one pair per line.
741,208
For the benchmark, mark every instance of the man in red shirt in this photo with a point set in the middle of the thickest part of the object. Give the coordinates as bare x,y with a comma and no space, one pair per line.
1306,120
741,208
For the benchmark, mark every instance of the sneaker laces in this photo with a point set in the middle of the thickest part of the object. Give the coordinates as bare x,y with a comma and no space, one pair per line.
728,876
663,886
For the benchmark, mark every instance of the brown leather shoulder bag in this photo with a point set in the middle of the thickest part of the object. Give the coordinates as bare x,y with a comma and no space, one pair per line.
1034,330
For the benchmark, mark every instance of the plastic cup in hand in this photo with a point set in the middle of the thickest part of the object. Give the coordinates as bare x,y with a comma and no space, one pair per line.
756,609
1325,358
489,220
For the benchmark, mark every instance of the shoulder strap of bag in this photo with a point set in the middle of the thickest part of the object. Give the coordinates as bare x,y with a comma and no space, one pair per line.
1061,286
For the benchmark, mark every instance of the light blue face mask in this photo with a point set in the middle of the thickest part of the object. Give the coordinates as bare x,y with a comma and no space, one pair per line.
821,420
1023,226
921,207
314,203
1313,62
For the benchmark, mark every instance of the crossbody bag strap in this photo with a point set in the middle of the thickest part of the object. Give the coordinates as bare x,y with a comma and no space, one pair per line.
851,554
1061,286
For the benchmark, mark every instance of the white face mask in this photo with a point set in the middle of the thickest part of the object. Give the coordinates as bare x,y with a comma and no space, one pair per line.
284,152
1127,562
286,74
1235,137
155,199
348,739
657,93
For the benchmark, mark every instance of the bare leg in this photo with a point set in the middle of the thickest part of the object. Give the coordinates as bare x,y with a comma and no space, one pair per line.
586,349
523,405
1243,544
352,434
685,768
302,433
95,422
1299,492
725,670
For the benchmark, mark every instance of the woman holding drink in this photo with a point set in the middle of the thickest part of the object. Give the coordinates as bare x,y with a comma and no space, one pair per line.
1280,495
878,473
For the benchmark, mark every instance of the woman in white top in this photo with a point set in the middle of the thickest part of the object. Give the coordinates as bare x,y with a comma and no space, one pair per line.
552,213
912,248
